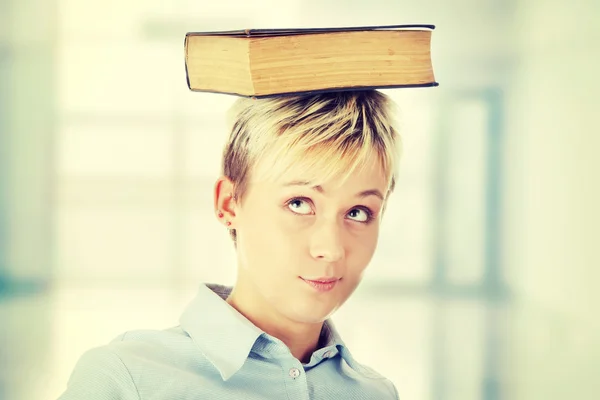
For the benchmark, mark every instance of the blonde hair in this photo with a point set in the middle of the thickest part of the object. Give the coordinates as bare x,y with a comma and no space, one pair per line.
327,136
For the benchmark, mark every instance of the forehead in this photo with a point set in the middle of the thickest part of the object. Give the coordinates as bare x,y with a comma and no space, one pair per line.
326,173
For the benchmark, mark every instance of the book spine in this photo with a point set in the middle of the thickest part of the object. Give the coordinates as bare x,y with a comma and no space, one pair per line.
185,58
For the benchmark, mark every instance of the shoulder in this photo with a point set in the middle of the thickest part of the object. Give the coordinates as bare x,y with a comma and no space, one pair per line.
113,370
143,349
386,385
377,383
130,342
98,375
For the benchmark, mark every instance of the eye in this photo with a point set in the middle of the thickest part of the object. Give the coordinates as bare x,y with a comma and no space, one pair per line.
299,206
360,215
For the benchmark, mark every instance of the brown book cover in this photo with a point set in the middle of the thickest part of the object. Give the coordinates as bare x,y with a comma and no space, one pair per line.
269,62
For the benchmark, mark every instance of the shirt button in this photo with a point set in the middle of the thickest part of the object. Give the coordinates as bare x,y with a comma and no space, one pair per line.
327,354
294,372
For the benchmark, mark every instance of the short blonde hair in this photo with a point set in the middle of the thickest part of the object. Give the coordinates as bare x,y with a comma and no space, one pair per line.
327,136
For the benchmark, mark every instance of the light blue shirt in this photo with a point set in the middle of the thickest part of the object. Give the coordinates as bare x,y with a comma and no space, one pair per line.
216,353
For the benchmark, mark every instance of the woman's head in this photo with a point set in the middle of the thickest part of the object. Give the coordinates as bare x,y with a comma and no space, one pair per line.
326,136
305,181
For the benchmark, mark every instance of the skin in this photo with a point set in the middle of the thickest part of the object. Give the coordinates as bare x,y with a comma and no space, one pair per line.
290,231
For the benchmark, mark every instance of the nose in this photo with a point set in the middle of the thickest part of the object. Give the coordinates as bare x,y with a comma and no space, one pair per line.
327,243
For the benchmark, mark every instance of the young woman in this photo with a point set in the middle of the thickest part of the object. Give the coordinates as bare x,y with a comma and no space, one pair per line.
304,186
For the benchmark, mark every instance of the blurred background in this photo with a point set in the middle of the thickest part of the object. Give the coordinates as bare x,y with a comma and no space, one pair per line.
485,281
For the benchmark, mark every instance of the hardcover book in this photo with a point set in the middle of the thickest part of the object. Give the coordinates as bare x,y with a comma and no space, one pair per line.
267,62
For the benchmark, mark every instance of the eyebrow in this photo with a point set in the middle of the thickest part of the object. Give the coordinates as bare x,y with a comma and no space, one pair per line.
319,188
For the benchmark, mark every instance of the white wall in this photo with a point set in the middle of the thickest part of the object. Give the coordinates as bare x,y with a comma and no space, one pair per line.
552,197
544,54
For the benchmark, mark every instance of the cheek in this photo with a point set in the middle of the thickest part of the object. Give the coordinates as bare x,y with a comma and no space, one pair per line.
268,227
362,247
270,241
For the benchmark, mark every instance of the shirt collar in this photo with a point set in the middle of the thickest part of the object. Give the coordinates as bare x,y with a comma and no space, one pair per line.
330,338
223,335
226,337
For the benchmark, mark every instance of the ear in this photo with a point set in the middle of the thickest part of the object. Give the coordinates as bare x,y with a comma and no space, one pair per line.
224,202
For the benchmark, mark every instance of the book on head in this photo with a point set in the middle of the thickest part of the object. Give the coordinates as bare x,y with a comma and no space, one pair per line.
268,62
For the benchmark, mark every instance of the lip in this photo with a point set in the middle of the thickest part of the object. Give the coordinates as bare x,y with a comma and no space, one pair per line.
322,284
324,279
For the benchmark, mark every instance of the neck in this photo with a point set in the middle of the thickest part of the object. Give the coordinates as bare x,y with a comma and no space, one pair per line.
301,338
